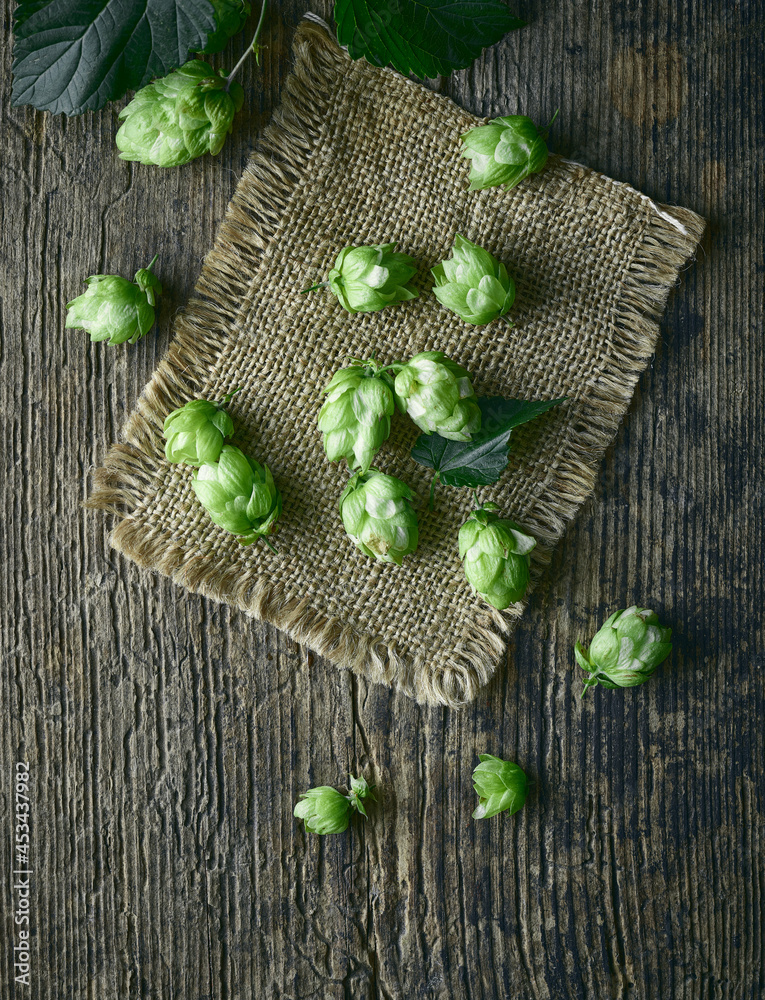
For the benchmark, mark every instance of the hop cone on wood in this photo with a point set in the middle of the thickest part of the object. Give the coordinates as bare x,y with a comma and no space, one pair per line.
495,553
355,419
438,395
325,810
366,279
626,651
115,309
378,516
499,785
180,116
195,433
230,17
473,284
239,494
504,152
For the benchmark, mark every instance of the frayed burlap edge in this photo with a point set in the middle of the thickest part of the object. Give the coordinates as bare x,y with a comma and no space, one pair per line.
251,221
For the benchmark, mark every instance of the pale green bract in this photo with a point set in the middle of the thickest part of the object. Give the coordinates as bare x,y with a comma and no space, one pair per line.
495,554
194,433
239,494
504,152
473,284
626,651
115,309
500,785
355,419
325,810
368,278
179,117
378,516
438,396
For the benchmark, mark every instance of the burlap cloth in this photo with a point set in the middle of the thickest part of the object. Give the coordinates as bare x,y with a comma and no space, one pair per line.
360,155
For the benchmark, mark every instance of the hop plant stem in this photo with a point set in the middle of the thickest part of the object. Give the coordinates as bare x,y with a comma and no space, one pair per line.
252,47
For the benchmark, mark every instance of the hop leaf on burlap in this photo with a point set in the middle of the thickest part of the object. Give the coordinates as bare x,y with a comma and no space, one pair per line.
180,116
366,279
325,810
438,396
495,554
626,651
500,785
355,419
239,494
230,17
115,309
473,284
195,432
504,152
378,516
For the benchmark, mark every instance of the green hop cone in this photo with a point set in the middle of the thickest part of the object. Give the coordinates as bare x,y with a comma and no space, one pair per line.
230,17
438,395
473,284
355,419
325,810
194,434
626,650
115,309
378,516
499,785
366,279
180,116
495,553
504,152
239,494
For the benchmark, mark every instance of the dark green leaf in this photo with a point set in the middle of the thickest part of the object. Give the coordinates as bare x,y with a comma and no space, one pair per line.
424,37
482,460
72,56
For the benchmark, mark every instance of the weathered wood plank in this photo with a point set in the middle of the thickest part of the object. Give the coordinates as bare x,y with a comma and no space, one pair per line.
169,737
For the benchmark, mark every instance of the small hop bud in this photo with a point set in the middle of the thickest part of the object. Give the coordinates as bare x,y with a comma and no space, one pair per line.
325,810
626,650
239,494
495,553
195,433
230,17
179,117
355,419
378,516
473,284
499,785
115,309
438,396
504,152
366,279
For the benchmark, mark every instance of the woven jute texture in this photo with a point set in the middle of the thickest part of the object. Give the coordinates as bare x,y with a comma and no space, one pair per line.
359,155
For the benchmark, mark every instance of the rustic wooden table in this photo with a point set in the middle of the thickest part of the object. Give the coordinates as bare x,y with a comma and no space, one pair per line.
168,737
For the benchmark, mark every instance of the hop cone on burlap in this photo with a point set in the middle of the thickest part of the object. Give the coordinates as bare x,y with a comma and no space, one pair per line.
500,785
180,116
230,17
495,553
366,279
115,309
325,810
626,650
504,152
438,395
355,419
195,433
239,494
378,516
473,284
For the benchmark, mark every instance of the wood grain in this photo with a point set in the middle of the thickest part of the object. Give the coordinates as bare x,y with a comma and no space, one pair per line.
167,862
